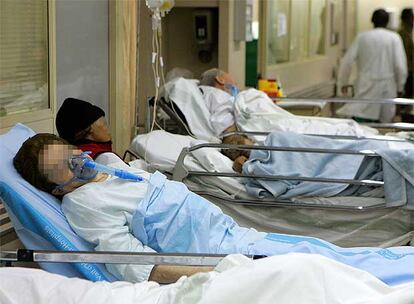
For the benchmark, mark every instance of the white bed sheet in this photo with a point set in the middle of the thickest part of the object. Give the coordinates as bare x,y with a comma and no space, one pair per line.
291,278
255,111
381,228
188,97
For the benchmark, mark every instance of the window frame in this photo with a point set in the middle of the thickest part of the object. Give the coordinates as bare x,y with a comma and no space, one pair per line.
263,53
43,119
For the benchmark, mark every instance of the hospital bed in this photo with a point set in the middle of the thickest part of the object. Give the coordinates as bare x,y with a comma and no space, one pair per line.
183,103
40,224
345,221
42,227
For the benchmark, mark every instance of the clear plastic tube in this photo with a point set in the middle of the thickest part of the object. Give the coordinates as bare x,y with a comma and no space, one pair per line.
113,171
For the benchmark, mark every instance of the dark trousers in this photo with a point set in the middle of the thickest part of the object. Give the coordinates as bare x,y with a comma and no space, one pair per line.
408,88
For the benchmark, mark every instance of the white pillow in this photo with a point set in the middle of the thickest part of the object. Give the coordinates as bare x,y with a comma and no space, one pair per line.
160,149
212,159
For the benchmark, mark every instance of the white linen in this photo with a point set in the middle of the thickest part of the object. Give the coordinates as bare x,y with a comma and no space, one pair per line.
161,149
188,97
220,105
291,278
101,213
108,158
255,111
382,72
212,159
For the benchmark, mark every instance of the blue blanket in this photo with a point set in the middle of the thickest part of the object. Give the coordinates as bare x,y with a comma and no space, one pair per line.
171,218
395,167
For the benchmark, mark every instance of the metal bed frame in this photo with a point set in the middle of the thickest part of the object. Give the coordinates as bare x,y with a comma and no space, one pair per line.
396,101
175,113
403,126
181,172
113,257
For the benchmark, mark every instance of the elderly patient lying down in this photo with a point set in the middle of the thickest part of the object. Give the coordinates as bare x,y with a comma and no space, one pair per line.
164,216
289,278
393,166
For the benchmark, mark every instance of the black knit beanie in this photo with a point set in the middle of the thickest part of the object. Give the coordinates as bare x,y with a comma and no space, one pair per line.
74,116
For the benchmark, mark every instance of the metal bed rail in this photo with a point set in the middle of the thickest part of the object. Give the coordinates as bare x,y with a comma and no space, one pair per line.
113,257
335,100
406,126
395,101
181,172
346,137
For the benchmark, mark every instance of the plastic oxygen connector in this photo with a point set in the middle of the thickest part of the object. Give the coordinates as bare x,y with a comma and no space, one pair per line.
113,171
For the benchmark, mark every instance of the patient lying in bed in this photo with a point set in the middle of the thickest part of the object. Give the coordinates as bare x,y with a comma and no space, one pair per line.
164,216
394,166
253,110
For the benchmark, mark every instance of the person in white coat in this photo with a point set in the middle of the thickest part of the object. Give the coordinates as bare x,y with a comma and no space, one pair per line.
382,70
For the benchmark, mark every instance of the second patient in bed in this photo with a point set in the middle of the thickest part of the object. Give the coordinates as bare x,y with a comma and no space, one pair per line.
83,124
164,216
219,91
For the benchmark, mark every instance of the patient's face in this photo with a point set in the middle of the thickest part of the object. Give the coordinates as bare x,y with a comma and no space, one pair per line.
224,79
228,79
99,131
53,162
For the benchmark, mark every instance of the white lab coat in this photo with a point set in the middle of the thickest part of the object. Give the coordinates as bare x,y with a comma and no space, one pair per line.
382,72
220,105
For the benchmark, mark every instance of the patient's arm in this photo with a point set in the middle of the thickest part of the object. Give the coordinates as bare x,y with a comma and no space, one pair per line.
166,274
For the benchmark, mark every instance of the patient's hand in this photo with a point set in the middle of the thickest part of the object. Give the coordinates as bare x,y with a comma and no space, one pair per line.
238,163
233,154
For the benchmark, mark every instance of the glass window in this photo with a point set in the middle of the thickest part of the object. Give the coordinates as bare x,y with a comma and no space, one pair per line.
23,56
299,32
295,29
278,31
317,27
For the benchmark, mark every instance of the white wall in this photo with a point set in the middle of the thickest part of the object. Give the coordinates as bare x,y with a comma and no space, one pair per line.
82,51
367,7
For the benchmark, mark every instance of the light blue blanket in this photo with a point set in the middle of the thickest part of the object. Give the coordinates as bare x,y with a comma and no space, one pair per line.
396,168
171,218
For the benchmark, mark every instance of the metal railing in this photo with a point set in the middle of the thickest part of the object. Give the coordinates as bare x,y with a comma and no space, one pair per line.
395,101
180,173
113,257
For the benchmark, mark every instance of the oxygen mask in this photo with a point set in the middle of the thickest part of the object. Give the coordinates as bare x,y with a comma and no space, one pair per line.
232,89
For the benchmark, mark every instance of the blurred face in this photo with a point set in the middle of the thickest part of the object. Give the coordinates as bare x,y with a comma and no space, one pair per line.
99,131
225,79
53,162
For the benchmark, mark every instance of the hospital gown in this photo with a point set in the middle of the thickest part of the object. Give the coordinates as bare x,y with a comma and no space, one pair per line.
220,106
162,215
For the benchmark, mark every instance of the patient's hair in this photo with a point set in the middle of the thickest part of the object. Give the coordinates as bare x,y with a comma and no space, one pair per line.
26,160
208,78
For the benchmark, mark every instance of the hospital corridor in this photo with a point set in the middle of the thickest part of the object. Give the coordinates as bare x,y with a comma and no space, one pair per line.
206,151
